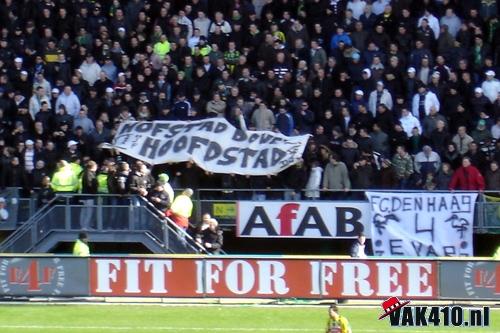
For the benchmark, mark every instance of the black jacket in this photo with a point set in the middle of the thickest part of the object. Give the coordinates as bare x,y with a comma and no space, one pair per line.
215,238
164,202
89,182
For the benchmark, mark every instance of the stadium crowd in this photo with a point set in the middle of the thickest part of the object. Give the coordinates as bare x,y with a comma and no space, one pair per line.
396,94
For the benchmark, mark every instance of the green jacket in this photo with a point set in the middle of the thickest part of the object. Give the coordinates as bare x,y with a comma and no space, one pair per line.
496,256
403,166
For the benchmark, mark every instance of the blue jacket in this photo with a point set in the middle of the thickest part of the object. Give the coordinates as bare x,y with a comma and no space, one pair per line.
340,38
285,123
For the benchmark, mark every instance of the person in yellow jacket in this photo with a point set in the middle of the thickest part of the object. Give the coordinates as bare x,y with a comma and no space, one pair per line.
336,322
162,47
64,179
81,247
181,209
496,256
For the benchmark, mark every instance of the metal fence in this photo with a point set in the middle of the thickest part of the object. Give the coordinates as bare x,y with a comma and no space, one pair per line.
222,203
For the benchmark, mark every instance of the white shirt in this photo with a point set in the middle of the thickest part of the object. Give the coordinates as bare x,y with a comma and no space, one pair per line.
409,122
379,6
357,7
4,214
491,89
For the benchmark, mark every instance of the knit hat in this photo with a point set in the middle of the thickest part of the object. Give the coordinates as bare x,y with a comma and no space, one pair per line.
163,178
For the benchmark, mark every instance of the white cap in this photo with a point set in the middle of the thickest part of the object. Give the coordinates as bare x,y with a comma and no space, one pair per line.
72,143
412,70
109,90
55,90
478,90
29,142
121,74
380,83
2,199
359,92
436,74
24,73
490,73
18,59
121,29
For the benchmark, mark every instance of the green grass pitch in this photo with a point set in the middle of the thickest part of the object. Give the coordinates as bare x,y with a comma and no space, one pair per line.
155,318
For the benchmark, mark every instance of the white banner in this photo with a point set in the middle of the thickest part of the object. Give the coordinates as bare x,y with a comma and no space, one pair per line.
303,219
422,224
213,144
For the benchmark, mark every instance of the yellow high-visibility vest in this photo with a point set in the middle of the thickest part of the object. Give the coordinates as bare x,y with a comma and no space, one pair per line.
102,183
81,249
182,206
64,180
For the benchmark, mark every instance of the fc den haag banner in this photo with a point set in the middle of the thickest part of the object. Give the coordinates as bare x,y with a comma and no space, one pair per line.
422,224
213,144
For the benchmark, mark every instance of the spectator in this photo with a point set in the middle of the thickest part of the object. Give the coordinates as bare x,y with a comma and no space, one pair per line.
4,213
403,166
443,177
491,86
379,96
495,129
45,194
492,177
358,248
409,122
284,122
467,178
159,197
69,100
90,69
211,237
362,175
423,101
89,186
263,118
181,209
336,177
427,162
462,140
314,181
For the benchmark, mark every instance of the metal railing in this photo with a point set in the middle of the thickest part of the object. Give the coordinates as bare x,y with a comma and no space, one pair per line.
210,200
101,213
181,232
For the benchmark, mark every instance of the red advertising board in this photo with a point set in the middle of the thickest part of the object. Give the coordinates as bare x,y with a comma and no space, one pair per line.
263,278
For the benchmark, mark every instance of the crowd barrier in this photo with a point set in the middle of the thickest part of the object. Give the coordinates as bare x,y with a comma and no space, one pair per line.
277,277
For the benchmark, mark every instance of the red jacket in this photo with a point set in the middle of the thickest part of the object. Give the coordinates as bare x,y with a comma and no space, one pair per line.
468,178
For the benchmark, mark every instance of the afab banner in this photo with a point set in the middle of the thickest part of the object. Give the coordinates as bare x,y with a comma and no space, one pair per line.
281,219
422,224
213,144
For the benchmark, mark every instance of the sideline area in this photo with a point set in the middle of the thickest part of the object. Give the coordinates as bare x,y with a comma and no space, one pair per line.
136,318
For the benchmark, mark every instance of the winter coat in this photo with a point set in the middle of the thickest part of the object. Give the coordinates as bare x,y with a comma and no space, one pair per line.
385,99
468,178
336,177
403,166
